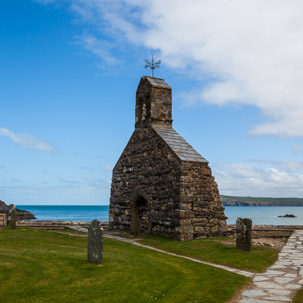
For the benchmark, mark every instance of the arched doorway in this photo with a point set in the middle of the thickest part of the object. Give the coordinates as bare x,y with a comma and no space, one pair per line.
139,216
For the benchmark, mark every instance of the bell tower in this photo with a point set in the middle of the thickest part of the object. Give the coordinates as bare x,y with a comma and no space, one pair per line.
153,103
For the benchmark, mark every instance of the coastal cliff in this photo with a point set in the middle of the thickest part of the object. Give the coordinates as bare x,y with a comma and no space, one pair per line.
22,214
252,201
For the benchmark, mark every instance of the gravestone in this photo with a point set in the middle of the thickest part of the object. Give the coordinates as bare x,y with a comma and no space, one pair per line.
12,216
95,243
243,233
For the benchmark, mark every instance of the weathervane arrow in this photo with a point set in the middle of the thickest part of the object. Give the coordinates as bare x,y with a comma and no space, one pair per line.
153,65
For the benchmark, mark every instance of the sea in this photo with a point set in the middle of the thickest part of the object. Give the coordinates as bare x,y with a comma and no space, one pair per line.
260,215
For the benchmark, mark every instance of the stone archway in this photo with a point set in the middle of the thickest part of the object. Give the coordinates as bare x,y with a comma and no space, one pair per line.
139,216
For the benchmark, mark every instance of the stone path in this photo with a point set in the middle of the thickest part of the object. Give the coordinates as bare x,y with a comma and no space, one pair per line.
281,281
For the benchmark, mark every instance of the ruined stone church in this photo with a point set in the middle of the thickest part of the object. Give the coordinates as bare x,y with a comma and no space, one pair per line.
160,184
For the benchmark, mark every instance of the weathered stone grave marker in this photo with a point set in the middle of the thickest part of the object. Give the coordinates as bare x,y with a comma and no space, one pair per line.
95,243
12,216
243,233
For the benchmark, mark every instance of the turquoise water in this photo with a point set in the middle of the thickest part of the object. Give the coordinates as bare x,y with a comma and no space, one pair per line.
259,214
67,212
265,214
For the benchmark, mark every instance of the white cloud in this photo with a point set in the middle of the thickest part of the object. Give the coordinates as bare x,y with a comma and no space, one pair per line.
27,141
100,48
289,166
239,179
298,148
250,52
107,168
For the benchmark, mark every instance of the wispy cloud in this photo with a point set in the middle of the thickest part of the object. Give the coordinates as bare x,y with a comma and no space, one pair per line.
239,179
245,52
101,48
298,148
15,180
27,141
2,166
45,2
289,166
107,168
92,191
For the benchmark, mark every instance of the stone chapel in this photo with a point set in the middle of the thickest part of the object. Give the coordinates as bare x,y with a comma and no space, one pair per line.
160,184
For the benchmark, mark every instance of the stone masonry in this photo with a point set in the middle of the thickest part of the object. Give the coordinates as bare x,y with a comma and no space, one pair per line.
160,184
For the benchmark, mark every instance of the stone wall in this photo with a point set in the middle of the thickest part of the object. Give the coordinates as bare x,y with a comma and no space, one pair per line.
183,200
149,169
153,103
201,210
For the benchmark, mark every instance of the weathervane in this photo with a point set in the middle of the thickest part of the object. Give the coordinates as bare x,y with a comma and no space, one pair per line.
153,65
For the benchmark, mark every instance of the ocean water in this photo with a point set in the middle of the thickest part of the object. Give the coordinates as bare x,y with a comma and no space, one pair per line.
259,214
267,215
67,212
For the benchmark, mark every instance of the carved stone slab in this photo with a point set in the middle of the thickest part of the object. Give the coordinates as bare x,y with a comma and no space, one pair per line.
243,233
95,243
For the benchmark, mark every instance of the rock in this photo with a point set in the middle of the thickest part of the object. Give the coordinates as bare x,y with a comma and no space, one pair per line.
95,243
12,216
21,214
243,234
287,216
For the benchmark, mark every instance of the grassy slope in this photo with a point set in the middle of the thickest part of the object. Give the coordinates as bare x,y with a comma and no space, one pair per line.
40,266
215,251
280,201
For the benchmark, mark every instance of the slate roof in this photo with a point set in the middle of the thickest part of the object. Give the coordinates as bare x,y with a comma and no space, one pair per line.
183,150
157,82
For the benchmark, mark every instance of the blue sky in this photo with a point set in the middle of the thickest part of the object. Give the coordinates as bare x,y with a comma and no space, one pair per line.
70,70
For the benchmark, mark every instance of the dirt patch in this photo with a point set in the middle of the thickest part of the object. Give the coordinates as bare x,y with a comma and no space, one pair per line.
271,242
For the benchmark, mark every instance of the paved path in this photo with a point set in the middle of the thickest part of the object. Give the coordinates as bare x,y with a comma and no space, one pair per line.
281,281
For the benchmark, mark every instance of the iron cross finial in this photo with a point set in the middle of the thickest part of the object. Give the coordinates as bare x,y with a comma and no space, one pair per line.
153,65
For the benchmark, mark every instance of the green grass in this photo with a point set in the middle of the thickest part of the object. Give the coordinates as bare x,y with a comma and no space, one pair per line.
217,250
38,266
299,296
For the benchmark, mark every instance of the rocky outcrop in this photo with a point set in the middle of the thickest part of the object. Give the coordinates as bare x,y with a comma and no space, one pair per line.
255,201
247,203
22,214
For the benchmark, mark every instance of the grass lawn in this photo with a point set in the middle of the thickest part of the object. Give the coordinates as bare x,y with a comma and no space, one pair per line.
41,266
299,297
218,251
